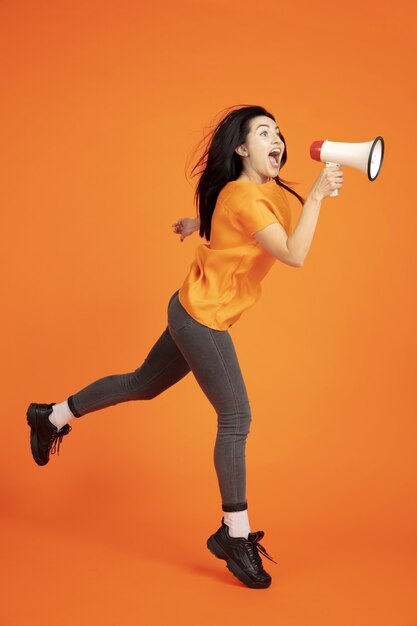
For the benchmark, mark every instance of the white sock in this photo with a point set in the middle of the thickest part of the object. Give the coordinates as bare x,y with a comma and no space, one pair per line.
238,523
61,415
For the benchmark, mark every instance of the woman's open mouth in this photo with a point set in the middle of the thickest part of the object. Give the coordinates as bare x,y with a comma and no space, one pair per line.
274,157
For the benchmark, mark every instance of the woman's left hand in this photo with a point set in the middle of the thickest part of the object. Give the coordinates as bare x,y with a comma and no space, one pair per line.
184,226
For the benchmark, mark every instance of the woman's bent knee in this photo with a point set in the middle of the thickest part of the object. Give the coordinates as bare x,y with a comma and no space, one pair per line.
139,383
236,422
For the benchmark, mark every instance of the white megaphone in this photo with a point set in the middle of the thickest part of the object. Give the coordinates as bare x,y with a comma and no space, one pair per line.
366,157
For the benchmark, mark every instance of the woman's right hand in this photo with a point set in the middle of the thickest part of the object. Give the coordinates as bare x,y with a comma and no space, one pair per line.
185,226
329,179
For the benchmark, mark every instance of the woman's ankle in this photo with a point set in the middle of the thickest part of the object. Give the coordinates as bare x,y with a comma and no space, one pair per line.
61,415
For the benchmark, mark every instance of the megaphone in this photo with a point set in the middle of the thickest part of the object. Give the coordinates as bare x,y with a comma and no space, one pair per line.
366,157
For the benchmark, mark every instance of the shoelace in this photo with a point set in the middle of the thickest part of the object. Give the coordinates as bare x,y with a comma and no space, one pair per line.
57,438
265,553
254,556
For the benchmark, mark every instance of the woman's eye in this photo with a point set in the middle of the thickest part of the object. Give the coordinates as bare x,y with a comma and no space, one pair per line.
265,132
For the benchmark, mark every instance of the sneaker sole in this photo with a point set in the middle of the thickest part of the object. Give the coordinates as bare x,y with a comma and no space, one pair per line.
216,549
32,420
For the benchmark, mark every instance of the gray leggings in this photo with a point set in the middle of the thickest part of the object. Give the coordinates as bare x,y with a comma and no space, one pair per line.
184,346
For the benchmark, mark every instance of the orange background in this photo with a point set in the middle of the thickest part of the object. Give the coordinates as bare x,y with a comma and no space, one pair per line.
102,106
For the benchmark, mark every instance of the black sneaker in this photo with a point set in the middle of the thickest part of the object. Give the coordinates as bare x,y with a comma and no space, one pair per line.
45,438
241,556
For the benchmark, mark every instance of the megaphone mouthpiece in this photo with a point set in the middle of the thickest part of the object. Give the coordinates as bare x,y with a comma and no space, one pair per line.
315,149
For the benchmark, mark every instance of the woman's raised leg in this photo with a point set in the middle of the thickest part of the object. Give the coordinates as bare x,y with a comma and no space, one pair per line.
163,367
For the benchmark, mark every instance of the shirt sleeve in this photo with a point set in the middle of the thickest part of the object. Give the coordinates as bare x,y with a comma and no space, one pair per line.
253,214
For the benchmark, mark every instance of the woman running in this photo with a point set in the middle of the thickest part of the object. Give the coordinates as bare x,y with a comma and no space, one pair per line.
244,214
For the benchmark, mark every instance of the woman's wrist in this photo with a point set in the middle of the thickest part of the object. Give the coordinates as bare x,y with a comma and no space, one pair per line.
315,196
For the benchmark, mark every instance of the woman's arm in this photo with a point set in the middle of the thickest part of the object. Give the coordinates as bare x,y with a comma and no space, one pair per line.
299,242
185,226
293,249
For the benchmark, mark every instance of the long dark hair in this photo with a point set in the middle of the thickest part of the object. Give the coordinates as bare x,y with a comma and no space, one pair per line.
220,164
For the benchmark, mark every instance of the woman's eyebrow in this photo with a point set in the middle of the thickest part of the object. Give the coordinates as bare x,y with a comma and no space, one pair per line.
276,127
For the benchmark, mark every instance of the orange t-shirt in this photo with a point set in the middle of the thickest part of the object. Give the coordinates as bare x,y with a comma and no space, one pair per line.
224,278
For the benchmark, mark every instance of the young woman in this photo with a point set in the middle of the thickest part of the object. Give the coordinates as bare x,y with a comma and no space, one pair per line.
243,213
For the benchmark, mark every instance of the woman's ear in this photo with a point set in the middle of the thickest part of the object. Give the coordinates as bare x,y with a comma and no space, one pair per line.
241,150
